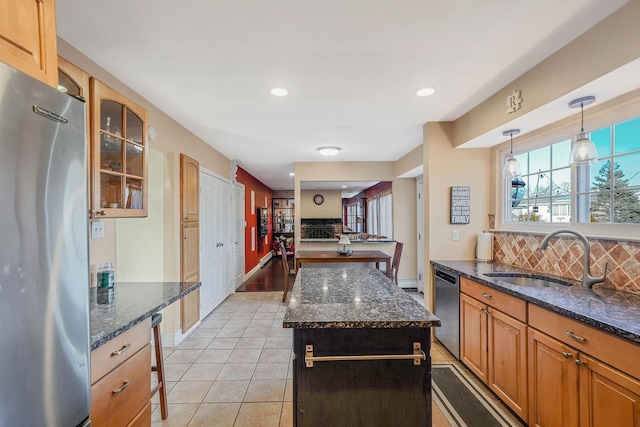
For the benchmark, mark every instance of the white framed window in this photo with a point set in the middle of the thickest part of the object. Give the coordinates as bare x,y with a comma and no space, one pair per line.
543,192
609,190
606,192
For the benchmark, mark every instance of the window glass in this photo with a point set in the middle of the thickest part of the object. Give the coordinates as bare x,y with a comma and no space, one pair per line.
560,153
627,136
540,159
602,140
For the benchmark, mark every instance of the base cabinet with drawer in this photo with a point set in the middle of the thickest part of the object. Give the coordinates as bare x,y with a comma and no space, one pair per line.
569,382
493,341
121,379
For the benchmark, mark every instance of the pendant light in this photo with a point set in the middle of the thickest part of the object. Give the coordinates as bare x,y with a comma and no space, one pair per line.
583,150
511,168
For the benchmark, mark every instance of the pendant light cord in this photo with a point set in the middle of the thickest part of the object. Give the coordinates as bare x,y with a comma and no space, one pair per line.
581,117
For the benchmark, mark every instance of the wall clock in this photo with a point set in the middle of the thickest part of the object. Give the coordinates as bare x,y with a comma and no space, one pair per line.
318,199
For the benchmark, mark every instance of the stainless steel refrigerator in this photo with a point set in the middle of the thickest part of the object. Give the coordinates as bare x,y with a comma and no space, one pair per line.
44,269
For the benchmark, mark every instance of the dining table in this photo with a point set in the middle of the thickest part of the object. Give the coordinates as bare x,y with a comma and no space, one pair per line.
302,257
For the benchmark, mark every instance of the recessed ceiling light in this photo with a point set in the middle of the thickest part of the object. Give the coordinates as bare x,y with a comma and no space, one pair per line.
425,91
279,91
292,174
344,186
329,151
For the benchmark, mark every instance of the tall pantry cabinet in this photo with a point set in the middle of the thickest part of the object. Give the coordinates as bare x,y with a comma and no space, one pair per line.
190,235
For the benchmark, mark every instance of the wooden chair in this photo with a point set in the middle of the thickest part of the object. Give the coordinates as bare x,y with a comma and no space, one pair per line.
395,263
286,270
159,368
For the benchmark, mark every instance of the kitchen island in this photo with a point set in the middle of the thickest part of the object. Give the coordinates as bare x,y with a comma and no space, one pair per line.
361,350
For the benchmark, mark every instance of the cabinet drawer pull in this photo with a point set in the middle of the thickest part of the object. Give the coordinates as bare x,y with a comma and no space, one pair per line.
486,295
566,355
580,362
122,350
125,385
575,337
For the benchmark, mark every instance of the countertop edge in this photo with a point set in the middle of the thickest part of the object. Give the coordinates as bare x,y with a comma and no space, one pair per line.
542,303
107,337
362,324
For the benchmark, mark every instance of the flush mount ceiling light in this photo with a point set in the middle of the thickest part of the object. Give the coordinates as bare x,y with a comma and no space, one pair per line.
329,151
583,150
511,168
279,91
292,174
425,91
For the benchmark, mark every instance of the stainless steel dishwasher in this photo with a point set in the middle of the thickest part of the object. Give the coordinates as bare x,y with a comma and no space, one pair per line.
448,310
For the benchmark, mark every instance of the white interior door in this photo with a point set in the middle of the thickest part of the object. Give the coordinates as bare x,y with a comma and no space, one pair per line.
238,234
421,236
215,241
225,239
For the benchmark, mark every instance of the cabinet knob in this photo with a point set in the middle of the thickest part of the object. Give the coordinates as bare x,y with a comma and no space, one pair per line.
580,362
566,355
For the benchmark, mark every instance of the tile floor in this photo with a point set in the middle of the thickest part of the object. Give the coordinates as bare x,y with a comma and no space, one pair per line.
235,369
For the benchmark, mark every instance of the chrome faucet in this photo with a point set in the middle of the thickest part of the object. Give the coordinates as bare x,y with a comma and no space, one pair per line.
587,280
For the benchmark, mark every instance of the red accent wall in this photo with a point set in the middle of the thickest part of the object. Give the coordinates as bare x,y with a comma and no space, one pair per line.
252,258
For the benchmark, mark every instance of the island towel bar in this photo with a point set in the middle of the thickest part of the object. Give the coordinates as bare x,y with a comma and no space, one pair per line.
416,356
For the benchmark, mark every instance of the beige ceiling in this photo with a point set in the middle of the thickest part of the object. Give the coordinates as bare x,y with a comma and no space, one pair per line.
351,66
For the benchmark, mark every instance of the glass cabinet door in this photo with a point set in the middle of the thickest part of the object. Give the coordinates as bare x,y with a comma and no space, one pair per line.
120,154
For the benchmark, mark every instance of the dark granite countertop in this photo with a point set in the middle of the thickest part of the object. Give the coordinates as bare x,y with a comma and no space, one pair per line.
613,311
352,298
115,310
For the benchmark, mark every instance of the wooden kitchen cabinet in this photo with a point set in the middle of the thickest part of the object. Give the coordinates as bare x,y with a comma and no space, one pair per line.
553,382
121,379
119,154
190,188
473,335
28,38
493,341
190,248
596,372
190,304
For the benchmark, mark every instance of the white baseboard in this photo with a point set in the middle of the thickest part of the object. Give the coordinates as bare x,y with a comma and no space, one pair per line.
173,340
407,283
265,259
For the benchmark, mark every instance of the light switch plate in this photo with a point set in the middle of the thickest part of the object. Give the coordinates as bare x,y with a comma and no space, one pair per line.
97,229
455,235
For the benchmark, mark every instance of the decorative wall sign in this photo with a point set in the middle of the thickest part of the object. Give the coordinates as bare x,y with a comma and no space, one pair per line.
460,204
514,101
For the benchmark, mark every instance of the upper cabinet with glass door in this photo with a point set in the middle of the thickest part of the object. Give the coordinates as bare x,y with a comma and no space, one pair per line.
119,154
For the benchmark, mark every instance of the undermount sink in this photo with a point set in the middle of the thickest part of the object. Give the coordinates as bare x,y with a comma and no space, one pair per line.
527,280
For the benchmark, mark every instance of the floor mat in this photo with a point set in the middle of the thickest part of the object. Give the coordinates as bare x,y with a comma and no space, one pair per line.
461,401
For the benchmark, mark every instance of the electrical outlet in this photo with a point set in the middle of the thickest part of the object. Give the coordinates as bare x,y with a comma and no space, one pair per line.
97,229
455,236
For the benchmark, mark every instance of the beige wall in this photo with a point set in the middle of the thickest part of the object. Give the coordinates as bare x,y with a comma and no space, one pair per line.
159,234
405,225
448,166
330,208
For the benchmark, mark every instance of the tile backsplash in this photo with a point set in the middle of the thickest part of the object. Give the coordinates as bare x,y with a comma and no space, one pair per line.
563,257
